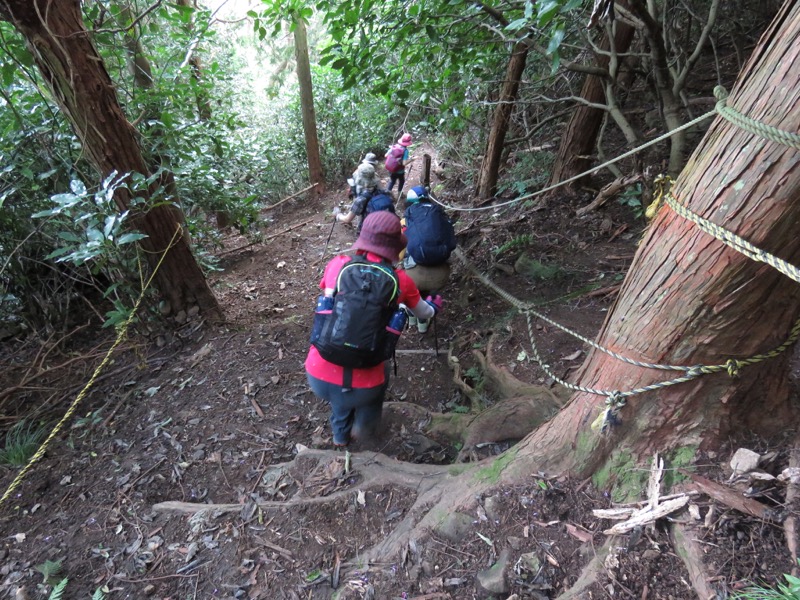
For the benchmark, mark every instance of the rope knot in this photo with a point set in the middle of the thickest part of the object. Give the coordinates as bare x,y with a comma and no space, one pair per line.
695,371
732,365
721,94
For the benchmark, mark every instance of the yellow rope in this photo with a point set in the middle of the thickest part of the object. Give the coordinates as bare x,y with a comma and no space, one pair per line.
121,331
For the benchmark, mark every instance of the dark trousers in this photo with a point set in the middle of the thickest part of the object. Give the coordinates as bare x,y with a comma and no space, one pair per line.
355,412
400,177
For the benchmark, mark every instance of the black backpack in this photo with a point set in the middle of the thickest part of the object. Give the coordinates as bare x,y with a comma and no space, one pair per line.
354,334
430,234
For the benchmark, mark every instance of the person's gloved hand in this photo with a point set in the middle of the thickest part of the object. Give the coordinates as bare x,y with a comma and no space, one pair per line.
435,302
336,211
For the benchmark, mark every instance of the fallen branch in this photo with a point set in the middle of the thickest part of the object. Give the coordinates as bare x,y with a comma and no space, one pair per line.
731,498
648,515
609,191
295,195
269,237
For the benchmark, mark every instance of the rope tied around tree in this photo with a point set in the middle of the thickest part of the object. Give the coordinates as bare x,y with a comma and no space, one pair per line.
617,399
773,134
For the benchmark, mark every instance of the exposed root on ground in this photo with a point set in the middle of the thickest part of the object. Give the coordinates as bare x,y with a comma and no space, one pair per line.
790,525
589,575
319,470
690,552
521,407
439,491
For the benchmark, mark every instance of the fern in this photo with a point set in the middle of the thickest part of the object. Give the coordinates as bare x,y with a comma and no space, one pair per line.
518,242
49,570
58,590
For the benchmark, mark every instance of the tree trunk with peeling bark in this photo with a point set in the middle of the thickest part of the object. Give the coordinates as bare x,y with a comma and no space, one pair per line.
690,299
487,178
74,71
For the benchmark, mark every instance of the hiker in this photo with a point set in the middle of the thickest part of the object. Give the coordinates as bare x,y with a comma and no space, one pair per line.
397,158
364,177
370,197
431,239
355,328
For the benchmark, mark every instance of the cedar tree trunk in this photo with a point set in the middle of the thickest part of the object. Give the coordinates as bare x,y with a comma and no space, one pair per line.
487,177
76,75
690,299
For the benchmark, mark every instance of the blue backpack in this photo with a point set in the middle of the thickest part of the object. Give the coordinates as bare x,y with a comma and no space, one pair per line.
430,234
379,201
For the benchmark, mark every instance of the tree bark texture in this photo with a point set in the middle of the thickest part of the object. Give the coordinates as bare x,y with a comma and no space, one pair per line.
487,178
315,171
577,143
690,299
80,84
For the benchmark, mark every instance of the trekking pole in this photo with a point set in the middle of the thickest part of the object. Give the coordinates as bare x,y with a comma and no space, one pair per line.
435,337
328,241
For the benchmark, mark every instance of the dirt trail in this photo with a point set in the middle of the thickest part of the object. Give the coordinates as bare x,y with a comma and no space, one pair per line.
215,415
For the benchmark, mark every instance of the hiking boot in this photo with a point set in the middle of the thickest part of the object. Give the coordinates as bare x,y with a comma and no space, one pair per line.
422,326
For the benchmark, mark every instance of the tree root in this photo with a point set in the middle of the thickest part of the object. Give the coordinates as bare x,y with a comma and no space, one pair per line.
589,574
439,491
792,501
520,409
376,470
691,554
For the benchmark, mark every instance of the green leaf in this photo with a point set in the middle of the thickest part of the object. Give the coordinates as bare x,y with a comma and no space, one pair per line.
127,238
556,38
547,10
528,9
516,24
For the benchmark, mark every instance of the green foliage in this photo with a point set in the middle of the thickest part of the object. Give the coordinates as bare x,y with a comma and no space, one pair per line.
49,569
632,197
784,591
58,590
21,443
528,172
520,241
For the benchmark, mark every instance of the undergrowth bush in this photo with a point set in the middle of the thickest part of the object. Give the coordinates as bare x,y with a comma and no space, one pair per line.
21,443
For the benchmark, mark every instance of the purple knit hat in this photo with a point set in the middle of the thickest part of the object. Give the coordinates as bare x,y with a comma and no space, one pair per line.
381,234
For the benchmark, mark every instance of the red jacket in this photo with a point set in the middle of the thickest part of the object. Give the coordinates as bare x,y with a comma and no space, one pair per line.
318,367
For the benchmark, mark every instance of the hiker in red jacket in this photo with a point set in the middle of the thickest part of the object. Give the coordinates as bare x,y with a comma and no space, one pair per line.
397,158
356,394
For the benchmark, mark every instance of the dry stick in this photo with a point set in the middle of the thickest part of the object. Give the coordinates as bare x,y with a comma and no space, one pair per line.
24,383
269,237
731,498
271,206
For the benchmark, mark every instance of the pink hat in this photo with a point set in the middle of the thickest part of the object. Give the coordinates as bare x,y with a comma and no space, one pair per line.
381,235
405,140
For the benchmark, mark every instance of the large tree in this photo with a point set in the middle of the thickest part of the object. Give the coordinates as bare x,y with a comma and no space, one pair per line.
688,299
81,86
